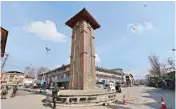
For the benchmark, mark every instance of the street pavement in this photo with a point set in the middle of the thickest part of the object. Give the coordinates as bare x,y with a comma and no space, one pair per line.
137,97
143,97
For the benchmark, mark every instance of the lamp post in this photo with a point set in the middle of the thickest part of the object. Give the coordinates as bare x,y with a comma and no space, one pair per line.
47,51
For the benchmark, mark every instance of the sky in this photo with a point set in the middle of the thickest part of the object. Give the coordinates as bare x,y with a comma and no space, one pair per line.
129,33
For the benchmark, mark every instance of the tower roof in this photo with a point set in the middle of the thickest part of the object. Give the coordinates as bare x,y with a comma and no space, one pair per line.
4,34
83,15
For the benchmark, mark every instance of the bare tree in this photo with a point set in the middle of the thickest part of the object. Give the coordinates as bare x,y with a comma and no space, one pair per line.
163,68
30,71
171,63
34,71
155,66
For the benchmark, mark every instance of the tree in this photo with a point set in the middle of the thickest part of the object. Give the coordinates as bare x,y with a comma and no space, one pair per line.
155,66
163,68
171,63
34,71
30,71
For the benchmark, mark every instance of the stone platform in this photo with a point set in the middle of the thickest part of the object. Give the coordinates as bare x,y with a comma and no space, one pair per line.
83,97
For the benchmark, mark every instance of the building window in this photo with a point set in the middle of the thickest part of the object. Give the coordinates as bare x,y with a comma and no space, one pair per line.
11,76
64,75
61,76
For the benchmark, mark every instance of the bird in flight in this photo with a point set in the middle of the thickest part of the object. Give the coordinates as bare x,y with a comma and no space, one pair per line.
145,5
47,49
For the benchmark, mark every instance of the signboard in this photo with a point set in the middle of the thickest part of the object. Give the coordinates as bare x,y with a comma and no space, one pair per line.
42,81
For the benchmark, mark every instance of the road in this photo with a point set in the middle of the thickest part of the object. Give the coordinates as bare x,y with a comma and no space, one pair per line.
140,97
143,97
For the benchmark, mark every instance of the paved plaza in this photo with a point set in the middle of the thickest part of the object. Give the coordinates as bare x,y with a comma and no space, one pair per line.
141,97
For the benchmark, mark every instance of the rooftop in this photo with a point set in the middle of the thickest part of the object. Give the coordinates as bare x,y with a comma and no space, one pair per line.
3,41
14,72
83,15
101,69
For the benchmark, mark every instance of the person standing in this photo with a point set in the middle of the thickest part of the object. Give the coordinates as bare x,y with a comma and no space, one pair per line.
55,95
3,92
7,87
14,91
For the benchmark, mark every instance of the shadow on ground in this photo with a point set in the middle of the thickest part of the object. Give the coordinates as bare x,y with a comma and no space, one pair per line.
39,93
118,107
149,97
153,105
48,105
158,90
156,105
156,94
151,90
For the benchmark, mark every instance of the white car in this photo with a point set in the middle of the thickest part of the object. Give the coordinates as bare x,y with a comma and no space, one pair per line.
110,86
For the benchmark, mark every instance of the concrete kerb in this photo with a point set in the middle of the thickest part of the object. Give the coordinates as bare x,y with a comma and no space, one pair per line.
80,105
105,103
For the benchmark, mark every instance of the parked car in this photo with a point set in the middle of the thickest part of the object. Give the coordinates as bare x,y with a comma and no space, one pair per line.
136,84
110,86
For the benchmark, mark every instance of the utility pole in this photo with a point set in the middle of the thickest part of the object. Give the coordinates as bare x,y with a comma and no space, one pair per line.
47,50
5,60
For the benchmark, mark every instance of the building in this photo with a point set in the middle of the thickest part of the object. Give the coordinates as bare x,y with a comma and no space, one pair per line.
28,80
107,75
122,73
4,34
129,79
12,77
61,76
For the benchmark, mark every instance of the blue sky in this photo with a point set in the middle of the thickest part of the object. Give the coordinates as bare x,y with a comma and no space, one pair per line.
129,33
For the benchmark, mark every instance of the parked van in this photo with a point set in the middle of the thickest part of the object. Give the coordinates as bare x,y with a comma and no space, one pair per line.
110,86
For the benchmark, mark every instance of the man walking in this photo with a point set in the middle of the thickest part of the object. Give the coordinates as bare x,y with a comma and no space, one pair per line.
55,95
14,91
3,92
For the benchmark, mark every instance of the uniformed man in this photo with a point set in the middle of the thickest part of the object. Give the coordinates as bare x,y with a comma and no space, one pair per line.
55,95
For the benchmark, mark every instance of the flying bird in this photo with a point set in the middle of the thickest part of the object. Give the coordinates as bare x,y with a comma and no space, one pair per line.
47,49
145,5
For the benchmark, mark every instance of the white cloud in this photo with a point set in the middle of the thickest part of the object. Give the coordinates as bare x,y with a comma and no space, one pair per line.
148,25
46,30
59,65
139,27
68,60
97,58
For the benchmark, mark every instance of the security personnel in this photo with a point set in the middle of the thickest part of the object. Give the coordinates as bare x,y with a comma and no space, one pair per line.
55,95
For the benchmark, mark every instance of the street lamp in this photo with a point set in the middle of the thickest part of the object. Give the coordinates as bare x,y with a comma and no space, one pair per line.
47,51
